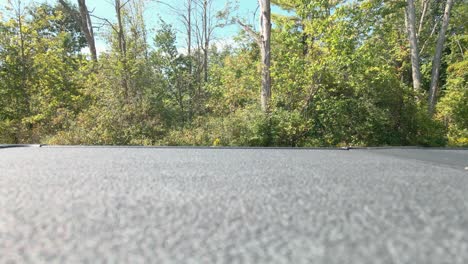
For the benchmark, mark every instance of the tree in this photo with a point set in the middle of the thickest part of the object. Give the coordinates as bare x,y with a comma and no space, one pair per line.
19,16
122,44
40,52
413,41
174,71
265,49
185,14
120,28
437,58
264,42
206,37
209,19
86,25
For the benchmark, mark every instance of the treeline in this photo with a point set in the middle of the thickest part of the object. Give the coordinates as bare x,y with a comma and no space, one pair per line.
363,73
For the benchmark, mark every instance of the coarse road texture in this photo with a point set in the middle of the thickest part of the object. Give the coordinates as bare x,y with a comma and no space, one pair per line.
170,205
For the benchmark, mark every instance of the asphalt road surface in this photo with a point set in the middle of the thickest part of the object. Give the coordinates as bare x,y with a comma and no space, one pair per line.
171,205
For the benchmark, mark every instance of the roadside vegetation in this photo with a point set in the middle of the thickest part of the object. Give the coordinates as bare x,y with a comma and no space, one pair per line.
334,73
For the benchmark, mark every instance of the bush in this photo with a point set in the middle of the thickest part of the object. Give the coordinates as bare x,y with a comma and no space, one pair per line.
244,127
452,109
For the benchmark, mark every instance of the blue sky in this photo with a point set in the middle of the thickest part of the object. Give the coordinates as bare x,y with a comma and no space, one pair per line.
154,11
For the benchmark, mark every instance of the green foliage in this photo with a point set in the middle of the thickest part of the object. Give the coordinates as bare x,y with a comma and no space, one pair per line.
244,127
37,69
234,83
109,115
453,107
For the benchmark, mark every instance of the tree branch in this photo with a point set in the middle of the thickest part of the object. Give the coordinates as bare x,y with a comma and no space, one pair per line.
423,14
250,31
432,33
107,21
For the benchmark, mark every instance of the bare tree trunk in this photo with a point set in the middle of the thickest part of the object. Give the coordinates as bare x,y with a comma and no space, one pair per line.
424,6
413,41
122,45
199,50
189,30
84,19
87,28
120,33
437,58
23,54
188,27
206,40
265,49
264,42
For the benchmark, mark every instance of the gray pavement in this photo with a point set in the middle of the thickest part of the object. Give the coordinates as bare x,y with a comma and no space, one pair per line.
170,205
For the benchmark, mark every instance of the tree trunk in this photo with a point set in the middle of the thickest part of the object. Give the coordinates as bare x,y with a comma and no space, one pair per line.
87,27
24,72
437,58
265,49
413,41
23,56
189,30
264,42
122,46
84,19
424,7
120,33
206,39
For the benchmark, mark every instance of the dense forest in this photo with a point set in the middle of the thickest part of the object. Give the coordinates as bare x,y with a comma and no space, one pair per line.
321,73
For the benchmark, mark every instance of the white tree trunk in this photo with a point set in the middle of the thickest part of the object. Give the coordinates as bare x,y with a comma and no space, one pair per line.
265,49
413,41
206,40
189,30
437,57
